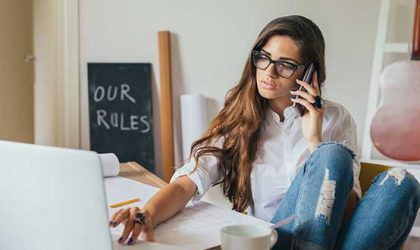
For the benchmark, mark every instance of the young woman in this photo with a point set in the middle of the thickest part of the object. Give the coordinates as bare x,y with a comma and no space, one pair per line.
279,152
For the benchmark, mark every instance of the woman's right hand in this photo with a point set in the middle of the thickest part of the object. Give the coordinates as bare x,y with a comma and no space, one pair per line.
133,229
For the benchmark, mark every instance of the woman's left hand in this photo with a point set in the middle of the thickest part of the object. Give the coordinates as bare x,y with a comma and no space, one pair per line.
312,119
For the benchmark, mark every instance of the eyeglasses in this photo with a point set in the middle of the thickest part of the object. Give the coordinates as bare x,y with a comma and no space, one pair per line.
283,68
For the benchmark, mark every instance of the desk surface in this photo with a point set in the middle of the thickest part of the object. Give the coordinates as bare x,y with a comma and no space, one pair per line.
136,172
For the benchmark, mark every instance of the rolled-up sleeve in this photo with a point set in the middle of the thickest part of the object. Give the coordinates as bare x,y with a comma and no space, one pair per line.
204,174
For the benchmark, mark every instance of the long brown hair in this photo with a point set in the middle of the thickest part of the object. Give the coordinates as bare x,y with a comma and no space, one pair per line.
238,124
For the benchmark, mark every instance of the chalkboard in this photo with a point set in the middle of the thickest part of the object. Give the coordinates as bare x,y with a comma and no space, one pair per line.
120,111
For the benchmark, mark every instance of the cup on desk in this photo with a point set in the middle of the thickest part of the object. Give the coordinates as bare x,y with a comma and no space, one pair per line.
247,237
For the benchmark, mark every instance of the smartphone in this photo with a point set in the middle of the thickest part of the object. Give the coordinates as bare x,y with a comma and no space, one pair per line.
307,77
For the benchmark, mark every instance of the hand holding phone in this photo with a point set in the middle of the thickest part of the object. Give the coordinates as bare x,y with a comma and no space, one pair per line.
307,77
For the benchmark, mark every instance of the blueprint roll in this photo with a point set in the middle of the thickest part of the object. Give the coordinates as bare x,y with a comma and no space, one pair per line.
193,120
110,164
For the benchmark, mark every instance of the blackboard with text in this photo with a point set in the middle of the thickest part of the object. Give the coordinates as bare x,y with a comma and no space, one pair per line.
120,111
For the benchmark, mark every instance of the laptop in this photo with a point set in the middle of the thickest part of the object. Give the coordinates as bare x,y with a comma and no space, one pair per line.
54,198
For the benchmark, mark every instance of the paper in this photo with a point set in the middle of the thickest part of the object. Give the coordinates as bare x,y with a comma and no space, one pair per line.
143,245
120,189
193,120
110,164
198,226
195,227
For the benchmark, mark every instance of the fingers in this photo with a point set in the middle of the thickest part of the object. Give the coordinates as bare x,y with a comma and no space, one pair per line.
114,215
119,217
313,90
136,229
146,228
305,103
304,94
129,225
132,230
308,96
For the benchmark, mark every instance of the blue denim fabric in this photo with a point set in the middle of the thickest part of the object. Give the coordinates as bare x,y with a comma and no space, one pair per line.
385,215
317,198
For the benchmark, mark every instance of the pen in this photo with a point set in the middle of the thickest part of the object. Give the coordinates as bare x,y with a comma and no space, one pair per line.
119,204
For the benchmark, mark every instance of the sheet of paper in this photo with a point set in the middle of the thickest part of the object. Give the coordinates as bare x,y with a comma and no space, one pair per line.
143,245
198,226
195,227
120,189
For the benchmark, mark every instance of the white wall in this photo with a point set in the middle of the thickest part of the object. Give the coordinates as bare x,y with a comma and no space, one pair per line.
211,39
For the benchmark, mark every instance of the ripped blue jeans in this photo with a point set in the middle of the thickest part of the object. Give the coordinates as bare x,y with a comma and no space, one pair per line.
317,198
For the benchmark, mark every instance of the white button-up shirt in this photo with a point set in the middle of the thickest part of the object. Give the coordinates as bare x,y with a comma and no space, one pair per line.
281,152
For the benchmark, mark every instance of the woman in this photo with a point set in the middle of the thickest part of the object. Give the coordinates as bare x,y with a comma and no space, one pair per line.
278,161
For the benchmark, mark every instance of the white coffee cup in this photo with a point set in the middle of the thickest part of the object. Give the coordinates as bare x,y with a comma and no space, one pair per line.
247,237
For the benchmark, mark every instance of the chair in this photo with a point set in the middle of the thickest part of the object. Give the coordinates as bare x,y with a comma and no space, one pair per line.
367,172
